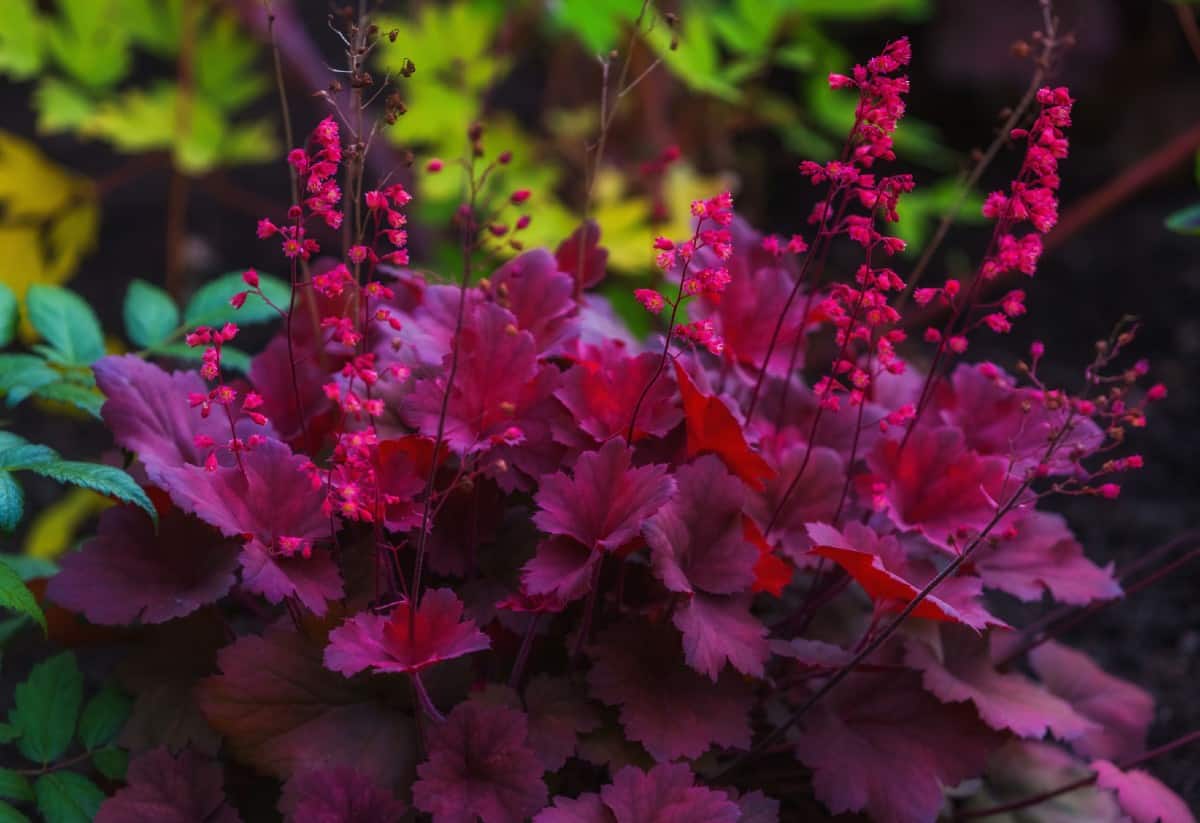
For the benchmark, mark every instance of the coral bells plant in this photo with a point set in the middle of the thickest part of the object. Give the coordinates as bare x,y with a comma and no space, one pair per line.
472,551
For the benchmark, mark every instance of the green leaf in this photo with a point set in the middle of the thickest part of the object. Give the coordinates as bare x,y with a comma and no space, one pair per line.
8,629
8,733
225,65
107,480
61,106
67,323
111,762
209,306
8,315
21,52
150,314
15,786
102,718
10,815
86,400
67,797
29,568
15,595
89,43
20,374
1185,221
45,708
12,502
25,456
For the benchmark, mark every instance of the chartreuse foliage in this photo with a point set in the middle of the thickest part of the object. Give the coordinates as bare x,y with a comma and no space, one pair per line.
48,221
82,53
63,741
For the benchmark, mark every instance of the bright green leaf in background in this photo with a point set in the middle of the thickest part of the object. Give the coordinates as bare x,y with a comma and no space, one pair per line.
1185,221
14,594
9,315
102,718
14,786
10,815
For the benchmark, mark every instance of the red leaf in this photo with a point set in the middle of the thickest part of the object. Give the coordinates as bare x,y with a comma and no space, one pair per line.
384,643
604,505
712,428
595,257
771,572
888,591
603,387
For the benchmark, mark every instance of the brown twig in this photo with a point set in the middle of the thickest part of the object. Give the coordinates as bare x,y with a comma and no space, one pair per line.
1191,31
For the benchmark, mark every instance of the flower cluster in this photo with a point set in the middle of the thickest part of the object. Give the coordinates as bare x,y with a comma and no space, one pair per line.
712,220
618,581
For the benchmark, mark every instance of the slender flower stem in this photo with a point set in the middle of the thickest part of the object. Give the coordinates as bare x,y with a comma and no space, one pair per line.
518,669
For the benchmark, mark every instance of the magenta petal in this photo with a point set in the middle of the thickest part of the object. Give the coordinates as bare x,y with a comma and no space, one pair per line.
1122,710
666,794
561,567
697,540
338,795
480,764
164,788
963,670
384,643
717,630
1142,796
883,745
666,706
127,572
604,505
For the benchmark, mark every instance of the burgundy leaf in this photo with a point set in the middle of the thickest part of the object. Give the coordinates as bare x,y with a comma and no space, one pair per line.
127,572
604,385
583,243
561,567
404,464
338,795
881,744
557,715
962,670
539,295
604,505
270,499
282,712
164,788
496,363
587,808
936,485
717,630
147,412
814,499
697,540
480,764
756,807
1037,553
1122,710
1142,796
665,794
664,705
386,644
1013,423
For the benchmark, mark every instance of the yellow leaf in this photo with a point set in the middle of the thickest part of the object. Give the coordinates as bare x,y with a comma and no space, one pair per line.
54,530
50,217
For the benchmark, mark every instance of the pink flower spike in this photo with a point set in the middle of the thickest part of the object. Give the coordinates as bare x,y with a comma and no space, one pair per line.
383,643
239,299
434,166
250,278
519,196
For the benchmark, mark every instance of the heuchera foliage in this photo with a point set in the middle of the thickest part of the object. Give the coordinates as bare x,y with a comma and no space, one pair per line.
493,558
